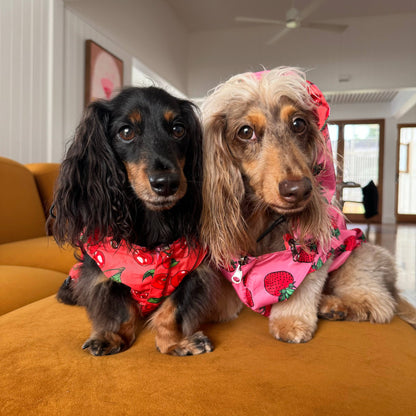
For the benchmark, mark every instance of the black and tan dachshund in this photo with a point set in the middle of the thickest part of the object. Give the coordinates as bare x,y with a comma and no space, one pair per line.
129,195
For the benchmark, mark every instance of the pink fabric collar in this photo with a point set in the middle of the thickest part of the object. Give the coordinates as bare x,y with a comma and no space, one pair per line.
271,278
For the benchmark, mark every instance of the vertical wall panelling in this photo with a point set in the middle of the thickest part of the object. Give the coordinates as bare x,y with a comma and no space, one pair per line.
5,71
42,65
55,80
24,49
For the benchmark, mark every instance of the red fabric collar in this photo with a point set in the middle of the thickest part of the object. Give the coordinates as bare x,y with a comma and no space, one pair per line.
152,275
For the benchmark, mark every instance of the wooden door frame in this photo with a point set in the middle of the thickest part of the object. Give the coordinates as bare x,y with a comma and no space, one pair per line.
402,218
360,218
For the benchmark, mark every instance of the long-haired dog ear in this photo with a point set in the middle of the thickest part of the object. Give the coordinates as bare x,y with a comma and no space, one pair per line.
193,168
223,228
193,171
89,192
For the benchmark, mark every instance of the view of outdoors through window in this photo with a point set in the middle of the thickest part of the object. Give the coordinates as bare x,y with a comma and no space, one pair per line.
359,162
407,172
361,152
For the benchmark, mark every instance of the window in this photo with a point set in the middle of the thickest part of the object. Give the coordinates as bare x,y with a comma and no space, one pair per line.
406,175
359,150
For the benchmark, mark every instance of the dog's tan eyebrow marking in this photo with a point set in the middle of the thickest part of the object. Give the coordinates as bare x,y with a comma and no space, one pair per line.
287,111
135,117
257,119
169,115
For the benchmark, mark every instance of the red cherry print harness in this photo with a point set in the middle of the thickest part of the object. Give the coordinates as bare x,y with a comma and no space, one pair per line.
265,280
152,275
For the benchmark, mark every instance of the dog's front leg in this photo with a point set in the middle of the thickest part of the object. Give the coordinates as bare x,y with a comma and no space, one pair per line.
170,338
113,312
295,320
203,296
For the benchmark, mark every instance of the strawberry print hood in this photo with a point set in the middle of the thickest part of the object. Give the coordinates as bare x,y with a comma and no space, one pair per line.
152,275
265,280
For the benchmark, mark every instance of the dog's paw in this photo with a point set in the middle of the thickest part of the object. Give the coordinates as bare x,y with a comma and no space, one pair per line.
292,329
99,346
332,308
66,293
197,343
357,308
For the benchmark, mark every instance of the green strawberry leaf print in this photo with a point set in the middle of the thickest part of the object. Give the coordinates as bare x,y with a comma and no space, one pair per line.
116,276
336,232
149,273
319,263
155,300
173,263
287,293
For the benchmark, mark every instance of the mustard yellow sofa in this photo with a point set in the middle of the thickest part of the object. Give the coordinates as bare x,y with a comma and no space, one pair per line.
32,266
347,369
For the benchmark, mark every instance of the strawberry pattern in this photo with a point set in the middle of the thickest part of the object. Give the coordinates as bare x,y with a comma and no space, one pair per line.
280,284
274,277
152,275
265,280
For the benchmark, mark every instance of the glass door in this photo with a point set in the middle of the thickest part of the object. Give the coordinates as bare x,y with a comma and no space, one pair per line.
359,147
406,174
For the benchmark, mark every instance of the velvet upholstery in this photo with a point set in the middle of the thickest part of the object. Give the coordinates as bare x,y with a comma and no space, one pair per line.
20,286
45,176
32,266
40,252
21,210
347,368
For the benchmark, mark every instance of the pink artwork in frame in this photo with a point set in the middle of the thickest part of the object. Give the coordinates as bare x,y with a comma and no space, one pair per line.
103,73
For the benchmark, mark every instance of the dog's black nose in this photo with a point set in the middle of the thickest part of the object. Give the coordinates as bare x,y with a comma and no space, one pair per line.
165,183
295,191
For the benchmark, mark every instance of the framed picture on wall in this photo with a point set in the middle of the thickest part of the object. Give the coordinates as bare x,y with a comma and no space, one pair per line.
103,73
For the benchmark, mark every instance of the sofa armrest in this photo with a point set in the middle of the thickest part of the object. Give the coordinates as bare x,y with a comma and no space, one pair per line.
21,211
45,175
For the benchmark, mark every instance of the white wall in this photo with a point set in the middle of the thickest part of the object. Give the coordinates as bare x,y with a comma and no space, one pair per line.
409,117
77,31
31,79
159,38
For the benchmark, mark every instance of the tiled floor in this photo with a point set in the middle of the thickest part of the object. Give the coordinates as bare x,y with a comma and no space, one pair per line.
400,240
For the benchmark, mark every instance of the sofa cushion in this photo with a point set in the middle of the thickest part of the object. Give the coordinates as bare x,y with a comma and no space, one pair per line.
40,252
45,175
22,285
347,369
21,210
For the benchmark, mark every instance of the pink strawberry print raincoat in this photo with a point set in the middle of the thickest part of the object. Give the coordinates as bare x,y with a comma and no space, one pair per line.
152,275
263,281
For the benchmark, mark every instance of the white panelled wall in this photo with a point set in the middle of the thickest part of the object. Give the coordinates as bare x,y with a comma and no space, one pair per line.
30,79
42,64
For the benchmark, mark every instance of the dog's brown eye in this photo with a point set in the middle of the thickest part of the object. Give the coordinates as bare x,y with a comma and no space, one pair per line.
178,130
246,133
298,125
126,133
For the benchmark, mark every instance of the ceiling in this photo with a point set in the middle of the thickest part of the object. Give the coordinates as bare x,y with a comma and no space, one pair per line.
205,15
199,19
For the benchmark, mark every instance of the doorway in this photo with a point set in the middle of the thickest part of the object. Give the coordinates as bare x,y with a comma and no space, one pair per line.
358,151
406,173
